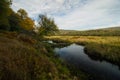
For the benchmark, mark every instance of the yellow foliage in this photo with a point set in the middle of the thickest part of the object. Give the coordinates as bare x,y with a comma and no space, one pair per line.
27,24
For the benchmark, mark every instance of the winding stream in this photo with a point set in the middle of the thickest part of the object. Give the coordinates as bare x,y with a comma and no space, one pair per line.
75,55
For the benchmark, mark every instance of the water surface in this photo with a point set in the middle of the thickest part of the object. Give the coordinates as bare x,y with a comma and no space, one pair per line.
75,55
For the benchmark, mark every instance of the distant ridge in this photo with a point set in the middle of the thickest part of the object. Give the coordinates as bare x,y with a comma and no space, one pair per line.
111,28
111,31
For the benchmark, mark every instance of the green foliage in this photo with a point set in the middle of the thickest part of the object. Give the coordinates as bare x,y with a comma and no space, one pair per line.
14,21
47,26
4,13
4,8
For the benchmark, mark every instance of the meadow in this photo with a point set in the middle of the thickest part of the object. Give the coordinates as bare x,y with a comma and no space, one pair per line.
25,57
98,47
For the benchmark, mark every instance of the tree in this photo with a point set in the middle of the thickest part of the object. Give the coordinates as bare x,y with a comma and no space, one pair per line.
26,22
47,25
14,21
4,13
22,13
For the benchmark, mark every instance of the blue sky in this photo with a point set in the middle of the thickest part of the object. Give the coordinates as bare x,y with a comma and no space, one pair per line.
74,14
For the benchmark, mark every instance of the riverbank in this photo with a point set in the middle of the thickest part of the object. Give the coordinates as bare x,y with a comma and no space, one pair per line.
99,47
100,70
25,57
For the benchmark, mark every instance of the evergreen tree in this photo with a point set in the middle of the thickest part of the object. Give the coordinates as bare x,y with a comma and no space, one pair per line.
4,13
14,21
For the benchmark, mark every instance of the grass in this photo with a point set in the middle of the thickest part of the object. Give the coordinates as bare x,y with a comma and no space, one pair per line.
23,57
99,47
20,61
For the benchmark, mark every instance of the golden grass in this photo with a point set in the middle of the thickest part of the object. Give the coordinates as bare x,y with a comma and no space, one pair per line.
19,61
24,58
107,47
89,39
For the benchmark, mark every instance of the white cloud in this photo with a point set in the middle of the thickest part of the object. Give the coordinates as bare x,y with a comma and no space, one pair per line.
75,14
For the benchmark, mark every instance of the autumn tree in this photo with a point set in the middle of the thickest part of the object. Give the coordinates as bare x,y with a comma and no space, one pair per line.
26,22
47,25
22,13
9,20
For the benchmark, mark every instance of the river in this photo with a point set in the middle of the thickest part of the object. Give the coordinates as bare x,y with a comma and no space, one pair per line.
74,54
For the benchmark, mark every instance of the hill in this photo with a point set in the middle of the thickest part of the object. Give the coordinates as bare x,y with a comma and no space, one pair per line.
111,28
112,31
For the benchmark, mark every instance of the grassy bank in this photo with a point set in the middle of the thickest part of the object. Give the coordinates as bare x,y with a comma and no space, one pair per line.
99,47
23,57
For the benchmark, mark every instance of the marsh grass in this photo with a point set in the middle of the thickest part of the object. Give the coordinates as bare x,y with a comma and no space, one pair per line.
23,57
20,61
105,47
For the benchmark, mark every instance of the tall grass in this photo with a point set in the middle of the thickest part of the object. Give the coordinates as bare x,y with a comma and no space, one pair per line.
20,61
106,47
23,57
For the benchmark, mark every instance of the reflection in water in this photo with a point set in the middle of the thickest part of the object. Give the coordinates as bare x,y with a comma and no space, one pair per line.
74,54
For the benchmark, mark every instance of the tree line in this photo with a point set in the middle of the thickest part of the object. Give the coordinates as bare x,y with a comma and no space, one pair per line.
20,21
115,31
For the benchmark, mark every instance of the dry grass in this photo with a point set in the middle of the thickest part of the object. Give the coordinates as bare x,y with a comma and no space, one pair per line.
20,61
107,47
24,58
